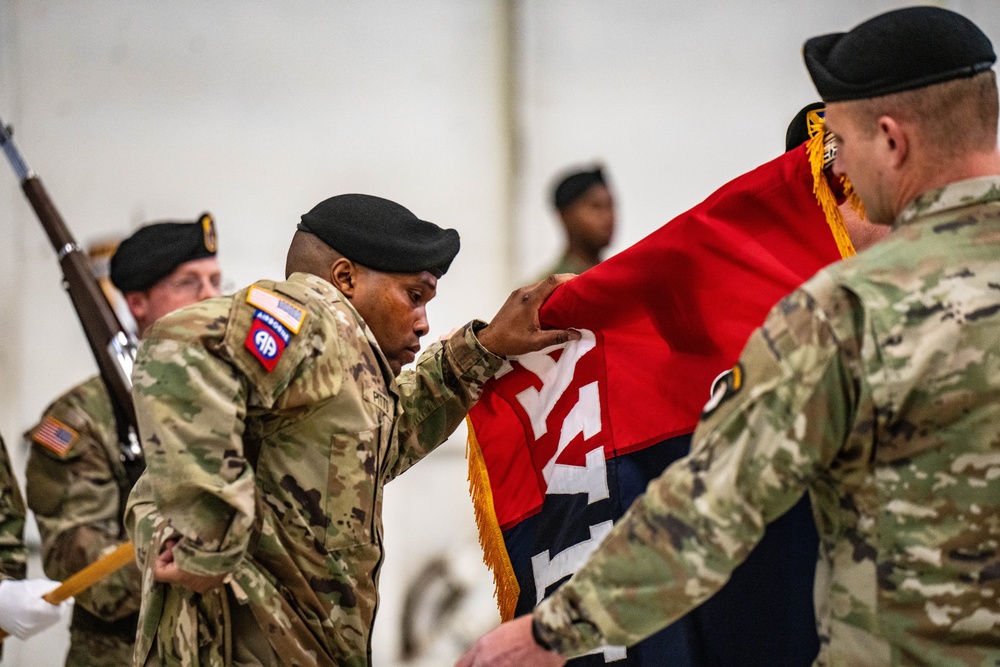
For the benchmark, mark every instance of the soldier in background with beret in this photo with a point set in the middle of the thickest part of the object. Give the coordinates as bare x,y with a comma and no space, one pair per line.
76,482
586,212
271,421
874,388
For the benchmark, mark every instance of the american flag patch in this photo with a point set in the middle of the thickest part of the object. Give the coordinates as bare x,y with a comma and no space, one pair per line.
284,312
55,435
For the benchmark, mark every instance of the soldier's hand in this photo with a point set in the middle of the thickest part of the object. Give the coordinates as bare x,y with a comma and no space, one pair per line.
510,645
166,572
515,328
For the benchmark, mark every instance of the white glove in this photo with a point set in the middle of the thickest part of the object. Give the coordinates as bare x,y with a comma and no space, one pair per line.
23,612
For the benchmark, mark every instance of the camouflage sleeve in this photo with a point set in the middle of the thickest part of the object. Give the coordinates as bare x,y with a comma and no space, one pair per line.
782,414
76,498
142,519
439,392
13,557
191,406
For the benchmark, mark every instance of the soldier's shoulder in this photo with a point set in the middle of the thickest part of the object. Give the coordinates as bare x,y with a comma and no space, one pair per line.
274,326
204,319
825,312
307,306
89,395
86,408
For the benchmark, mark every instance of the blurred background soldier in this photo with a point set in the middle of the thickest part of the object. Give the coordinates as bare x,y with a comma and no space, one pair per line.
587,213
23,612
76,482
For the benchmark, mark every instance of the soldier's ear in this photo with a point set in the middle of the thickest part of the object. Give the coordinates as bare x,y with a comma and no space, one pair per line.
343,276
138,305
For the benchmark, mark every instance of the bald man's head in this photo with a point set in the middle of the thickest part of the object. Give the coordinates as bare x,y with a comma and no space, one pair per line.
308,254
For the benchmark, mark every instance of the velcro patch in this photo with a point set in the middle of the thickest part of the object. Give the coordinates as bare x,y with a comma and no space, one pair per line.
267,339
285,312
54,435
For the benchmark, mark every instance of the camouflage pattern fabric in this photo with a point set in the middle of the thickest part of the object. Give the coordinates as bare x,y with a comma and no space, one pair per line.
566,264
76,486
289,374
13,556
876,389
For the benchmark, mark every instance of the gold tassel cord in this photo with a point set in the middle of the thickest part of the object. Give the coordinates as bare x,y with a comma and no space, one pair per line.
490,536
816,153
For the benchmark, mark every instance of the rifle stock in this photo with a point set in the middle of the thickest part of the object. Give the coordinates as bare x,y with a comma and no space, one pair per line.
111,344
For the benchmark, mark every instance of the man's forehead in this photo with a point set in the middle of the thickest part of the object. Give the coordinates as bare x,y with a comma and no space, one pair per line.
428,279
423,278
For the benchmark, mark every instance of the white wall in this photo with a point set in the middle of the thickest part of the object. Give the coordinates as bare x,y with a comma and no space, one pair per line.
256,111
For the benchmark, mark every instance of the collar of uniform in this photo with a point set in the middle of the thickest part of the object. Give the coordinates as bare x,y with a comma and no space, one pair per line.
954,195
328,295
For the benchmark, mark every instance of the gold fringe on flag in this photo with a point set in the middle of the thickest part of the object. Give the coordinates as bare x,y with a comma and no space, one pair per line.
490,537
816,151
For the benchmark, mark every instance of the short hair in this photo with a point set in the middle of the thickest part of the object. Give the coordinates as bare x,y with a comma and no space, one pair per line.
956,117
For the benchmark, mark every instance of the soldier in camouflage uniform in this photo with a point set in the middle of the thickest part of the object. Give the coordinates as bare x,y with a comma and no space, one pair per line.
271,421
22,610
76,482
875,388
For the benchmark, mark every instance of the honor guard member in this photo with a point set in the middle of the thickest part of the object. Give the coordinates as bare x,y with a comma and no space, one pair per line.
874,387
586,210
271,421
23,612
76,482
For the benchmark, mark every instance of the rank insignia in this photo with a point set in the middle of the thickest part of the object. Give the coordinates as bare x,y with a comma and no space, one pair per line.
55,436
208,232
724,387
267,339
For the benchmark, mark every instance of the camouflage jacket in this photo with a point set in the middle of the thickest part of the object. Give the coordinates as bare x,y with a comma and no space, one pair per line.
76,486
13,557
876,389
289,375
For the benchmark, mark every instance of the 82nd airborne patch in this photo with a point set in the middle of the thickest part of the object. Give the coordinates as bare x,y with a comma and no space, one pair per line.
267,339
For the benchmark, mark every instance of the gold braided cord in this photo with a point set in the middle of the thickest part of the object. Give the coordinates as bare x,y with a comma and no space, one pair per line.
816,153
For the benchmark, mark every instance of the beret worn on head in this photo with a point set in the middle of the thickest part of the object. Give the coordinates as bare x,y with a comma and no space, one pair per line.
798,130
896,51
573,186
155,250
381,235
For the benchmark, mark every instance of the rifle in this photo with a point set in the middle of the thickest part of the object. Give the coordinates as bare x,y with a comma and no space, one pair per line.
113,346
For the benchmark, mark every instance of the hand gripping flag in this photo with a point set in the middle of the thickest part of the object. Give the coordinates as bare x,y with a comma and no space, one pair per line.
563,440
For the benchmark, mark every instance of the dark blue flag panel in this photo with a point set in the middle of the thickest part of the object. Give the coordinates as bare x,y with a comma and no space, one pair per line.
763,616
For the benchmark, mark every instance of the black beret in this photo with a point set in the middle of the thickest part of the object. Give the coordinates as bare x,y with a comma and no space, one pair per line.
155,250
574,185
381,234
798,130
896,51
